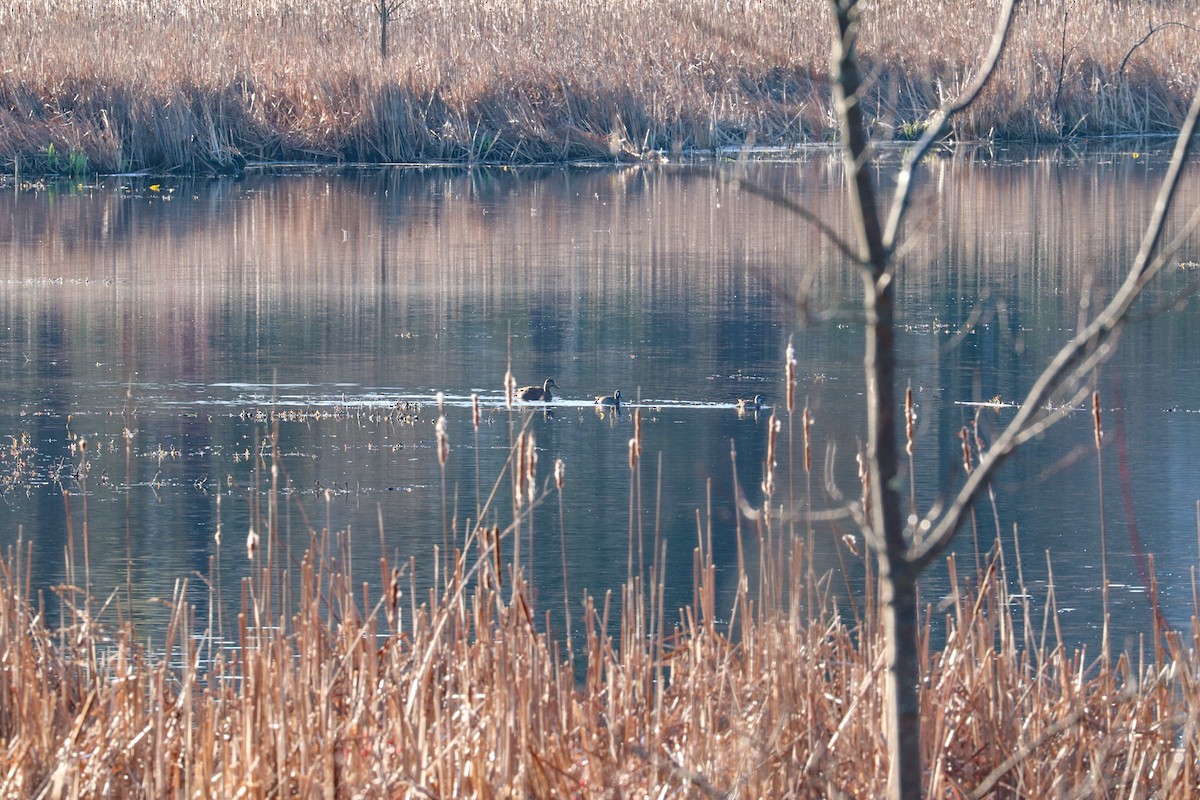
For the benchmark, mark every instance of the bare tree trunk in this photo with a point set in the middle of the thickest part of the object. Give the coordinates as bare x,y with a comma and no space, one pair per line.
903,553
384,17
885,522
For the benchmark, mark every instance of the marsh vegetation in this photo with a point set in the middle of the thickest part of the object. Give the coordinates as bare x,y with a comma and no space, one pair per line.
318,681
113,85
327,683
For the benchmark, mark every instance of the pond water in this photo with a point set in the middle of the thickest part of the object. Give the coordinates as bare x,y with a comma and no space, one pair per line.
189,329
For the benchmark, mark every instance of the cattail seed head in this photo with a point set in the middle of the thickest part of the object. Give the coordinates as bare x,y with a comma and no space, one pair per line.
774,425
910,419
531,458
443,441
510,389
635,444
965,435
790,375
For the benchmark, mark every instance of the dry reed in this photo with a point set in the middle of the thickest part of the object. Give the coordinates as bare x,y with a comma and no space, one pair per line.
330,692
204,85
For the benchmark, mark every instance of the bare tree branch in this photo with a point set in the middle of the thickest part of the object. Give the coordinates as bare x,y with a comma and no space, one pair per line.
799,210
1087,342
1153,30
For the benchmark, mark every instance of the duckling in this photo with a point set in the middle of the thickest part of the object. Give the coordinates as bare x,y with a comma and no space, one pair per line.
751,405
542,392
613,399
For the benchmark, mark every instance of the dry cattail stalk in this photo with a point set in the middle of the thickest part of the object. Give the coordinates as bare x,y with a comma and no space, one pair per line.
251,543
443,441
494,543
560,473
529,470
806,426
768,484
910,419
965,436
864,480
790,375
510,389
1097,430
475,414
518,486
635,444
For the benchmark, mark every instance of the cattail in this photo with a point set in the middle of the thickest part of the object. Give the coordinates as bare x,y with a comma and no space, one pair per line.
475,415
768,485
560,473
525,463
910,419
510,389
1096,429
519,474
443,441
531,468
251,543
864,480
790,375
965,436
806,426
394,592
495,547
635,444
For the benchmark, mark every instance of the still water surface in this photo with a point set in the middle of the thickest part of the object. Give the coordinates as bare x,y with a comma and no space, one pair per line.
179,326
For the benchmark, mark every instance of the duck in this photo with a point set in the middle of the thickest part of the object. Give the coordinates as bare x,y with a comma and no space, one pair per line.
751,405
542,392
613,399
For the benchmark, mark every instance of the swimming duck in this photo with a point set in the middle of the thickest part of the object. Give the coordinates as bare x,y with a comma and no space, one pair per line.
751,405
537,392
613,399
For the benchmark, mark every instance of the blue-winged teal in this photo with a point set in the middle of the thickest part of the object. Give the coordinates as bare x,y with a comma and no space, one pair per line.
751,405
613,399
542,392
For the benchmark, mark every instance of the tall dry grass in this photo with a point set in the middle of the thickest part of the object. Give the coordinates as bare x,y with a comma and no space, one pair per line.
204,84
323,687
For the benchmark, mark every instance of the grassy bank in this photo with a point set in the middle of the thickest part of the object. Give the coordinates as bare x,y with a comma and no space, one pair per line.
320,686
202,85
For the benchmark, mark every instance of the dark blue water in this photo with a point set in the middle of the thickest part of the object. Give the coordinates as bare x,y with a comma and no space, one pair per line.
200,334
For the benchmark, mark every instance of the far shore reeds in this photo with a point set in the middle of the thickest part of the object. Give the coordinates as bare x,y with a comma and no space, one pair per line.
198,86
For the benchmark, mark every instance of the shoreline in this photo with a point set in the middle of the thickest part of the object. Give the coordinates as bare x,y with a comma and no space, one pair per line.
211,87
1145,147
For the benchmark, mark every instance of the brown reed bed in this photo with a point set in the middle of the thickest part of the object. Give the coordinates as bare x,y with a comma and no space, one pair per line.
204,85
323,687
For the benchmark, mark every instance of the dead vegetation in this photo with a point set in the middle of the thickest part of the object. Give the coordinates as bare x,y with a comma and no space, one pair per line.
323,684
111,85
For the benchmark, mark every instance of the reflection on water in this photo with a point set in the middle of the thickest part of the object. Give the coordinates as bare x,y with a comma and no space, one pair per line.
194,333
